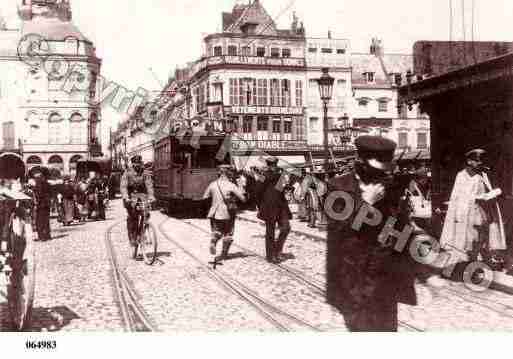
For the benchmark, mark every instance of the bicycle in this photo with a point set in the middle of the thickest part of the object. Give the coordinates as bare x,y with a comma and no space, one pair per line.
146,239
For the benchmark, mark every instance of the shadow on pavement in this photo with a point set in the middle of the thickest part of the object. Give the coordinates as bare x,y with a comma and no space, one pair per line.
51,319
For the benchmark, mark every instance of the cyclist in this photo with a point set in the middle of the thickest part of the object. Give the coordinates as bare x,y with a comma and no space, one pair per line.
135,180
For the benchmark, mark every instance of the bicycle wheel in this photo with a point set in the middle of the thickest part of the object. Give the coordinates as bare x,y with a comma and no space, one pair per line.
22,281
148,245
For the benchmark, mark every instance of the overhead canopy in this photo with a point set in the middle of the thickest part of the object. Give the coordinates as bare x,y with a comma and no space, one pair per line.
246,162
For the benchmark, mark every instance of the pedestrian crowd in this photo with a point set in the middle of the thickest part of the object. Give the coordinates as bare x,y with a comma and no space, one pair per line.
73,201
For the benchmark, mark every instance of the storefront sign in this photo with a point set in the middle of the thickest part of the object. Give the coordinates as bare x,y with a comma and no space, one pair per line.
260,110
268,145
247,60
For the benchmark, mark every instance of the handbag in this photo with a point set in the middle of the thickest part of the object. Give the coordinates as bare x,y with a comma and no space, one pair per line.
230,205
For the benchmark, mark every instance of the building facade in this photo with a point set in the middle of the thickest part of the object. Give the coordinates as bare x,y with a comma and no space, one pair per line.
49,123
376,77
336,55
259,83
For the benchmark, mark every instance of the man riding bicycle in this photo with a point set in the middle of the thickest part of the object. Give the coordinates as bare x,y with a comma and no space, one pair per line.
135,181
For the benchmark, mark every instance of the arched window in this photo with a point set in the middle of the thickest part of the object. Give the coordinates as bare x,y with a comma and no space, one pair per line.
34,160
56,162
78,129
55,129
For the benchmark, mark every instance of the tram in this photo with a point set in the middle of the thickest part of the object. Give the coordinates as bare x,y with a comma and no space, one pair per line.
183,168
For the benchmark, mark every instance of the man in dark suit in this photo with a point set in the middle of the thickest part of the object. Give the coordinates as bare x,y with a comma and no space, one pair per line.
273,208
367,273
42,197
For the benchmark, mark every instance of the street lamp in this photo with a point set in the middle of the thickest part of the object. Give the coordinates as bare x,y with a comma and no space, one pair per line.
325,83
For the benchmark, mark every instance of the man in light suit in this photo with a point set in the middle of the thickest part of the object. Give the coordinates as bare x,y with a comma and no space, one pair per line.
222,220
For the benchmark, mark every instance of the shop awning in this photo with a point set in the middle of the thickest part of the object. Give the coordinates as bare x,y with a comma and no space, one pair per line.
285,162
246,162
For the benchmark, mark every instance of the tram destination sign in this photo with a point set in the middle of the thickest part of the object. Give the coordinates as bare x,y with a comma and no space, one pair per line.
268,110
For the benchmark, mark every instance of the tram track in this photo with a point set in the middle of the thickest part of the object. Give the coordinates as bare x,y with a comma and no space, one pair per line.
318,287
486,303
133,315
279,318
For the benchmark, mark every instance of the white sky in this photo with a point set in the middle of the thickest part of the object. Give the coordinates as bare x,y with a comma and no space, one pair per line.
132,36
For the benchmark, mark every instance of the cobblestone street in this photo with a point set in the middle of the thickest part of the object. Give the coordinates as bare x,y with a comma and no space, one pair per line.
75,290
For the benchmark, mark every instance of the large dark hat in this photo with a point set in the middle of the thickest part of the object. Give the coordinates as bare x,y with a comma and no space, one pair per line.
137,159
475,154
271,160
377,151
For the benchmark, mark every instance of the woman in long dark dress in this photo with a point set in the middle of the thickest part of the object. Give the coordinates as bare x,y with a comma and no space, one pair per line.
68,199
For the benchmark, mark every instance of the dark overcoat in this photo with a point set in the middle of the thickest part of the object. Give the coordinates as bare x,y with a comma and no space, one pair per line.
365,279
272,203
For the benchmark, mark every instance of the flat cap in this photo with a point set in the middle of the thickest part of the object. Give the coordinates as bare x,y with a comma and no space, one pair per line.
475,153
374,145
136,159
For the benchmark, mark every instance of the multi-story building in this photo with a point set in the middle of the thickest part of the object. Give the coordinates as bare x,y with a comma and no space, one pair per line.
253,75
41,118
260,83
336,55
375,79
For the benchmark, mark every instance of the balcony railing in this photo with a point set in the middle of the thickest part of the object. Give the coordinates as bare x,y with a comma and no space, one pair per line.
247,60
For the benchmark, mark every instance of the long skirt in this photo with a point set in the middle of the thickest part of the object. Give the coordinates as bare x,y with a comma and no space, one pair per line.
69,208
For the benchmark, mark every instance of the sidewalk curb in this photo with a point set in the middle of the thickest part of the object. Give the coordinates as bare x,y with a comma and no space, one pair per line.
501,282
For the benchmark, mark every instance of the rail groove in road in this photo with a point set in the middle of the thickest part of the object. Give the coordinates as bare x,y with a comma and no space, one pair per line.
317,286
279,318
132,313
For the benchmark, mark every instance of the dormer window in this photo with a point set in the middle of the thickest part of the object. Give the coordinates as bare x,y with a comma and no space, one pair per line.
369,76
249,28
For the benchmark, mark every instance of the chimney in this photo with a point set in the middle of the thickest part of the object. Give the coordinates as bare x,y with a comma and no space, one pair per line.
376,47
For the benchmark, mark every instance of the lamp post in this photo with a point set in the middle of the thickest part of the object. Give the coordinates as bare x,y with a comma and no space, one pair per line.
325,83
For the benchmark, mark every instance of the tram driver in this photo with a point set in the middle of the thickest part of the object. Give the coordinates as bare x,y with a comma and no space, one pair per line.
135,180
